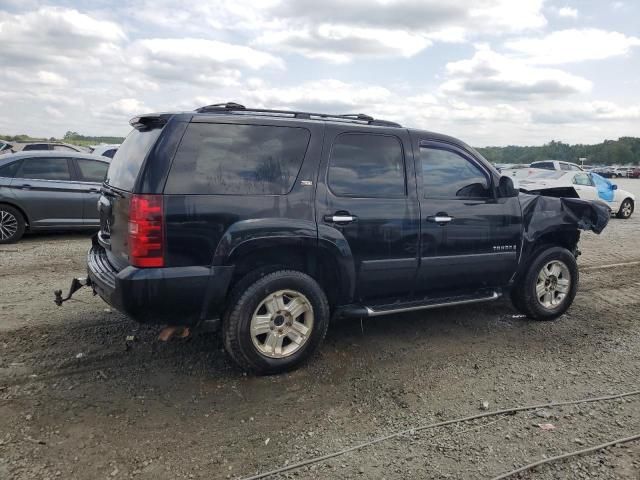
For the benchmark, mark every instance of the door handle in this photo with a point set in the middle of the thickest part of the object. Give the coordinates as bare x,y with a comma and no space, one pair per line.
441,219
94,190
25,186
340,218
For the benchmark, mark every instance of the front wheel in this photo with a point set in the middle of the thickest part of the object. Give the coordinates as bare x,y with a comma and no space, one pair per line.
276,323
626,209
547,287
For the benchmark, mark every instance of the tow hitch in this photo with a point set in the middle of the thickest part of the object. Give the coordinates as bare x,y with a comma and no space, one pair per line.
76,284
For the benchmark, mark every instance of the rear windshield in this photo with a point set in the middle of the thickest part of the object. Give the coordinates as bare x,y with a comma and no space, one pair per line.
127,161
230,159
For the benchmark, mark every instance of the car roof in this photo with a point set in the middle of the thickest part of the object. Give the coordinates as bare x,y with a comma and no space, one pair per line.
50,153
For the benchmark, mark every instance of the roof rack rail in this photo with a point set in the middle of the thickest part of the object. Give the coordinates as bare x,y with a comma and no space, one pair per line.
350,117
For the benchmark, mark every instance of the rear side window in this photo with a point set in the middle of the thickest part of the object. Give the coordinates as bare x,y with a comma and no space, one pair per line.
9,171
232,159
582,179
92,170
36,146
127,161
110,153
364,165
446,174
543,165
45,168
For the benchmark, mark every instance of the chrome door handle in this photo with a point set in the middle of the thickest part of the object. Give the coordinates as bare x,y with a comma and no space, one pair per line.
439,219
340,218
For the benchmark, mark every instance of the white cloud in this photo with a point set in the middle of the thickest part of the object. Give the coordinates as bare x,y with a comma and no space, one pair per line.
587,112
55,35
54,112
326,95
197,60
567,12
574,45
489,74
340,31
340,44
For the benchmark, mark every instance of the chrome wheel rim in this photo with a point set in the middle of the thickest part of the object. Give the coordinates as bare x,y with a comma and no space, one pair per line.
552,286
626,209
8,225
281,324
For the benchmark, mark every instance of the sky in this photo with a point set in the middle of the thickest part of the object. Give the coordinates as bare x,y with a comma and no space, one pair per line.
491,72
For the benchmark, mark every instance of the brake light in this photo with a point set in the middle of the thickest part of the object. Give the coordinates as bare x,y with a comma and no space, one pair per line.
146,231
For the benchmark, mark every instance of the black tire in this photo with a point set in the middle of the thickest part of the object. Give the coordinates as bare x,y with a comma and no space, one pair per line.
627,202
523,294
247,296
15,220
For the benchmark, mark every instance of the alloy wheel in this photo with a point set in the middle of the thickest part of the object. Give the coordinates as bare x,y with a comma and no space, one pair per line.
626,209
8,225
282,324
552,286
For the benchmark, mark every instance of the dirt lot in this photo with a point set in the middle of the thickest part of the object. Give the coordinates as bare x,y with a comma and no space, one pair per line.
77,402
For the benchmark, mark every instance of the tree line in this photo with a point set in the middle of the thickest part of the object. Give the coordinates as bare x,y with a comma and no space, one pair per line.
624,151
70,137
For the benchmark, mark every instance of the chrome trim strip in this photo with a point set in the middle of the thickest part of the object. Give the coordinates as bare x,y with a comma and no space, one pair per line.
374,313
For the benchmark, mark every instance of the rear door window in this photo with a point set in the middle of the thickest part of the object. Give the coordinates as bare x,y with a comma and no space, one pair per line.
126,163
364,165
92,170
45,168
230,159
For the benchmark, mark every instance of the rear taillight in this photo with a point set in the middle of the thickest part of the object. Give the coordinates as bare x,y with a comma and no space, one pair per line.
146,231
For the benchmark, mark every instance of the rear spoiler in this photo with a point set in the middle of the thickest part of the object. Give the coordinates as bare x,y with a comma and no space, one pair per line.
150,121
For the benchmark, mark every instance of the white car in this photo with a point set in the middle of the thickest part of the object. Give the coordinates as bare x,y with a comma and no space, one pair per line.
585,185
536,167
104,150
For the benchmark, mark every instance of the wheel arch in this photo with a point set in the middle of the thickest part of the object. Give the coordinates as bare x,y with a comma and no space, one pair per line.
290,244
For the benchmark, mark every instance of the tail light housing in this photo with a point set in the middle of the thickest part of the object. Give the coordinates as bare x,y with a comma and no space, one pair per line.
146,231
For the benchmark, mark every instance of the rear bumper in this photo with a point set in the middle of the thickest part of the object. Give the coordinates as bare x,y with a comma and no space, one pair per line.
173,295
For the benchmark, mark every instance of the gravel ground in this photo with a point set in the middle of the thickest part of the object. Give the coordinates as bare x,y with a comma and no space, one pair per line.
78,401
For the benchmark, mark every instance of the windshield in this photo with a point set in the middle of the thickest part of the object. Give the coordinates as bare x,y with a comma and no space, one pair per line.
128,160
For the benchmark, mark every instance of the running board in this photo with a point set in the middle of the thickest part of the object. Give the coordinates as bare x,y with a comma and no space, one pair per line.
364,311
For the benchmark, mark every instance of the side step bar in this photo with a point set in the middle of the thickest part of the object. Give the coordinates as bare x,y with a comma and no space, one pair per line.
364,311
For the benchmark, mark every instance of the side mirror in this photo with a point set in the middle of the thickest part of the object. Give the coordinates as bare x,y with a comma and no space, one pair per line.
614,186
506,188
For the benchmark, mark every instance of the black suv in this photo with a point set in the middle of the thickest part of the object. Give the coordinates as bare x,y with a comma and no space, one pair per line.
272,222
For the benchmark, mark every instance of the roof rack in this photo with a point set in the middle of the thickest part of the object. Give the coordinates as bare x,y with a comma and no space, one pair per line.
241,109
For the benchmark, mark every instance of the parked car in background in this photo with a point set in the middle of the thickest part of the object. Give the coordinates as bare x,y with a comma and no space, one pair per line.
585,185
49,190
270,223
557,165
39,146
535,167
5,147
635,172
105,150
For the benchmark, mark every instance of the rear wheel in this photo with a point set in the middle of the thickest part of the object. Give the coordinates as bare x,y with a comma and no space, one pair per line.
12,224
626,209
276,323
548,286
